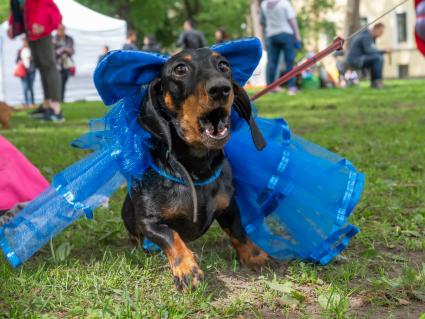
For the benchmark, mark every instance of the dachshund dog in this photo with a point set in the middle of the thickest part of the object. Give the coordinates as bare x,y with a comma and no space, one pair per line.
5,115
187,111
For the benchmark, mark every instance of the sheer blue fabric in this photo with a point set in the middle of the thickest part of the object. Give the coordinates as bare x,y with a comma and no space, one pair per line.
295,197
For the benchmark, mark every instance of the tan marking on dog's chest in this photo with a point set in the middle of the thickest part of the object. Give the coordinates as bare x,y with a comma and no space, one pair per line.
170,213
222,201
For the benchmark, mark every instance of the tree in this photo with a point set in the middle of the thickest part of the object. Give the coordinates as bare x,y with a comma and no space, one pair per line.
352,19
313,21
164,19
257,29
192,8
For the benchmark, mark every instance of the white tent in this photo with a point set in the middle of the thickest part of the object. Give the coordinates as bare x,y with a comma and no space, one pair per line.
90,31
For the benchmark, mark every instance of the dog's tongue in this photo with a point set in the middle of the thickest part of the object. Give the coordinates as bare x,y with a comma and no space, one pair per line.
216,133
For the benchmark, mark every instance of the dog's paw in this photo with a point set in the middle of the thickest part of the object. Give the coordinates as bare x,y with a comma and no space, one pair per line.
251,255
186,272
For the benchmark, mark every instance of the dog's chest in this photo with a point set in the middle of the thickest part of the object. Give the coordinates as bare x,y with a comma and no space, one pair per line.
178,210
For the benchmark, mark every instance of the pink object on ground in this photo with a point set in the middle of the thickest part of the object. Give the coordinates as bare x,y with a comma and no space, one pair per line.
20,181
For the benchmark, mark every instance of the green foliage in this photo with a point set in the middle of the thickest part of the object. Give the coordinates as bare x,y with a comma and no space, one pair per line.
164,19
313,21
4,10
230,15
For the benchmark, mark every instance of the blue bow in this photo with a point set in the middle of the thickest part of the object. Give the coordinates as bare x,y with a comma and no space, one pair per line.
122,73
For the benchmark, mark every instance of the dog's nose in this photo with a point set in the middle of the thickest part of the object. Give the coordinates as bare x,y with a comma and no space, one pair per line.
218,89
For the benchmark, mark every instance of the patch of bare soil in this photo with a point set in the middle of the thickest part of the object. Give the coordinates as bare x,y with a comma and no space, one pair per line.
411,311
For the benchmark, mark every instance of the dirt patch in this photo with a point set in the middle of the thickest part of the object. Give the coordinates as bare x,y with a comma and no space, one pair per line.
411,311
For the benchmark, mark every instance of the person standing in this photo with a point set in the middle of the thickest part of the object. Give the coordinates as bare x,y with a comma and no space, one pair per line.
150,45
105,51
130,43
363,54
38,19
283,36
191,38
220,35
64,47
24,56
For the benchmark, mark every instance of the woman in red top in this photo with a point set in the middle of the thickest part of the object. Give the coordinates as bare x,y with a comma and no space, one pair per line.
38,19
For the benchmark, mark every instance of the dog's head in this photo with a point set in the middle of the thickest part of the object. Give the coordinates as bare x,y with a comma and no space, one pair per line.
195,94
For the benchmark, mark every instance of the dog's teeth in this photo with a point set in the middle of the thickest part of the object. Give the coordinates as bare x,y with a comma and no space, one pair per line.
223,131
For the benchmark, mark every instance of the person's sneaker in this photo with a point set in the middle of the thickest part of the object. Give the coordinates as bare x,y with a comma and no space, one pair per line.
39,111
292,91
377,84
50,116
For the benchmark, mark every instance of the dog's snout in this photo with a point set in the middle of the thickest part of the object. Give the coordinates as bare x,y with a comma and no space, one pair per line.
218,89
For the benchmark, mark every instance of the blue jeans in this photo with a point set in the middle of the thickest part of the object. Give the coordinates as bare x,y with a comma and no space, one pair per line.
282,42
374,62
28,88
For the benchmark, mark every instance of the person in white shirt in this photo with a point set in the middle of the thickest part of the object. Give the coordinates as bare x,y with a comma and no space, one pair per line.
24,55
283,36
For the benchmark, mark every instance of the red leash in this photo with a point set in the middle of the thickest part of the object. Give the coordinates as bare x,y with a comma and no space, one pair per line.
335,46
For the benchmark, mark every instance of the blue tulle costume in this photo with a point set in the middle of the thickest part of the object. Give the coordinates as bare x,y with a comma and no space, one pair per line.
294,196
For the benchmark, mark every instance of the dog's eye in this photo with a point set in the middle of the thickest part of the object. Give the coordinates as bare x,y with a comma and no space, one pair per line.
224,67
181,69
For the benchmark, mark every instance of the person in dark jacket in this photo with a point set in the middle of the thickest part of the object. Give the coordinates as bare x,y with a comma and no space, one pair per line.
150,45
130,43
64,46
38,19
191,38
363,54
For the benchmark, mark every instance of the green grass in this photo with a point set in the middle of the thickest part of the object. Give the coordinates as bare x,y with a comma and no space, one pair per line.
91,270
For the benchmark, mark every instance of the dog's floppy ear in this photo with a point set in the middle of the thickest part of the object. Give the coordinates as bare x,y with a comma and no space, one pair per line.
242,105
150,117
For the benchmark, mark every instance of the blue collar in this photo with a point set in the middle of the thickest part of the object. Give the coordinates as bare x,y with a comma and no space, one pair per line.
210,180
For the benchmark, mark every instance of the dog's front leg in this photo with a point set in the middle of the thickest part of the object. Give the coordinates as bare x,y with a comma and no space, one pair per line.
248,252
182,262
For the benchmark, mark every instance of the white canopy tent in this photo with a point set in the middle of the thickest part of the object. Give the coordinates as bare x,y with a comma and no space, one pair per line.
90,31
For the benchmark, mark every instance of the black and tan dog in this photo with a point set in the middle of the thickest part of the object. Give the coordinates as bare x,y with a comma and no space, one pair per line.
187,111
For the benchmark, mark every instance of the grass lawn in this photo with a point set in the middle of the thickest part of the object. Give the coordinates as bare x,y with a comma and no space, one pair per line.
92,271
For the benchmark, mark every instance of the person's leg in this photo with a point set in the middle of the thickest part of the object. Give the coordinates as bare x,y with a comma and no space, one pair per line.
65,77
375,63
268,51
24,83
274,59
51,73
37,56
31,78
288,43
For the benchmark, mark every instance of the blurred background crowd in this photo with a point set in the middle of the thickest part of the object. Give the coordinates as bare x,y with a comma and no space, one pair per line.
64,40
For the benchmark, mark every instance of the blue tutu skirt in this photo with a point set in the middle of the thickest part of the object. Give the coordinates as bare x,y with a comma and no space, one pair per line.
295,197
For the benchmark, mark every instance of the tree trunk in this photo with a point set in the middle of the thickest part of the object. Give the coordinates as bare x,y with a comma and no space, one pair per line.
190,10
352,19
257,30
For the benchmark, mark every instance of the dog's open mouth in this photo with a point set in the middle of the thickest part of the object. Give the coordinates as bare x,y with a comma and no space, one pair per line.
216,134
215,124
